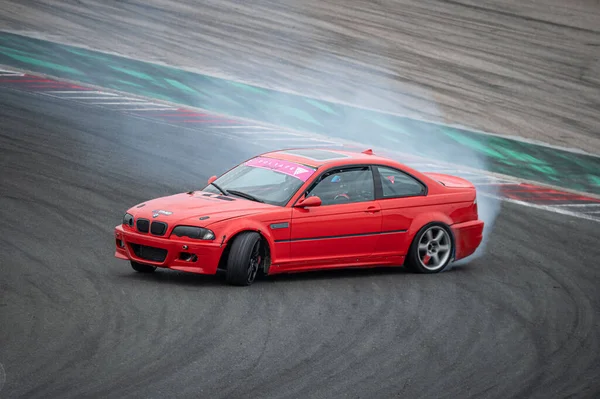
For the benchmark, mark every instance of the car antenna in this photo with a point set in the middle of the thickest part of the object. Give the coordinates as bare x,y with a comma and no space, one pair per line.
368,152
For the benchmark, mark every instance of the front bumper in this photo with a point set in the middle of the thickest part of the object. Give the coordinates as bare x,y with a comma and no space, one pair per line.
186,255
467,237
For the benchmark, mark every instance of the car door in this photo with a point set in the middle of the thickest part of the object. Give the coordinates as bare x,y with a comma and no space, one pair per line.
401,198
345,227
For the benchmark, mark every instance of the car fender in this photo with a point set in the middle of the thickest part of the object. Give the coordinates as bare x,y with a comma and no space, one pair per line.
425,218
431,217
231,228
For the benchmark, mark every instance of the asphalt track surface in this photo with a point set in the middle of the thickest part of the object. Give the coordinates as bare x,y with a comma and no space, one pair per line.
520,321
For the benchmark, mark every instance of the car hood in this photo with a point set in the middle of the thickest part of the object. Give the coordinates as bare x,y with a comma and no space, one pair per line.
197,208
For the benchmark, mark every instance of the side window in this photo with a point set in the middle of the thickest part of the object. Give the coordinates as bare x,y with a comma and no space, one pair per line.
344,186
396,183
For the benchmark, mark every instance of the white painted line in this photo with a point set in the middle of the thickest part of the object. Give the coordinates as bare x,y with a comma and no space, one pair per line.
243,127
82,92
306,145
266,131
545,208
131,99
4,72
116,101
271,133
126,103
238,133
144,109
294,139
593,212
99,98
578,205
263,135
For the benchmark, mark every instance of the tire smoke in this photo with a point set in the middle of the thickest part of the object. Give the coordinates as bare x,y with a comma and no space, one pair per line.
426,146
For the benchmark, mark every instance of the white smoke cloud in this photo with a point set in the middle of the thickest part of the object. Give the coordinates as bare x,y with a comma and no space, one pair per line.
413,139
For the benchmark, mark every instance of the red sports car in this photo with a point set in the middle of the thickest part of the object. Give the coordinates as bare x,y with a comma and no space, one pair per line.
306,209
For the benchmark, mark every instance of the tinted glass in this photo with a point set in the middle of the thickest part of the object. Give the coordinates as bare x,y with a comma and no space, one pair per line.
345,186
270,180
395,183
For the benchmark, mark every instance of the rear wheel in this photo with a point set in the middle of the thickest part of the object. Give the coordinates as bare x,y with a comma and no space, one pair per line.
141,268
431,250
245,258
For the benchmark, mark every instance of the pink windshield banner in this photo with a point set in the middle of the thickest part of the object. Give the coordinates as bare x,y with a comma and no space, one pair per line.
298,171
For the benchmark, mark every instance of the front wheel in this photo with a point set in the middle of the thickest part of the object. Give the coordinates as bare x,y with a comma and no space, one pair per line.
245,258
140,268
431,250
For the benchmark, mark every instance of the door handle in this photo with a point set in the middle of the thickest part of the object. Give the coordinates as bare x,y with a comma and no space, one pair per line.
372,209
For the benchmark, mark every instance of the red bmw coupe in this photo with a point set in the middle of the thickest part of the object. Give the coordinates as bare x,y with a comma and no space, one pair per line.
306,209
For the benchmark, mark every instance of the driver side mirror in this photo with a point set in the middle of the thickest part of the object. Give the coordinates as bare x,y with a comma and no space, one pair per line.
309,202
212,179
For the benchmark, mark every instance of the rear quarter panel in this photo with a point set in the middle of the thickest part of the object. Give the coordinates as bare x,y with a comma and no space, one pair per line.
412,213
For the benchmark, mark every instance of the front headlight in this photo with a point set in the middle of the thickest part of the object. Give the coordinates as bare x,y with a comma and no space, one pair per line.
197,233
128,220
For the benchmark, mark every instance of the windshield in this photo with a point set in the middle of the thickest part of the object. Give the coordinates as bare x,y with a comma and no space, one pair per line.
273,181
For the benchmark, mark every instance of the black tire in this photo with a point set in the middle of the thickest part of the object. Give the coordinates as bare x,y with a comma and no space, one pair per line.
418,260
140,268
246,257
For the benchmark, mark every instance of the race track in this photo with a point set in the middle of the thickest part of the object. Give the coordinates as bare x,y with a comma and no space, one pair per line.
520,321
521,68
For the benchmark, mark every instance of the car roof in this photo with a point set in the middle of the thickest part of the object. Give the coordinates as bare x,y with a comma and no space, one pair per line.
317,157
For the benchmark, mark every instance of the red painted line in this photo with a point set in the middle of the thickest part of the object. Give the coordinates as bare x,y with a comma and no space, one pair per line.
47,86
21,80
531,193
50,83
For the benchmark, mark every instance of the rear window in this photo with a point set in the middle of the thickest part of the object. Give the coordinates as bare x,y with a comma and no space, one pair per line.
396,183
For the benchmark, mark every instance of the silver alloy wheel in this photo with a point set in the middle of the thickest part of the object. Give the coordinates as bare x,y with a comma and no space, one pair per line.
434,248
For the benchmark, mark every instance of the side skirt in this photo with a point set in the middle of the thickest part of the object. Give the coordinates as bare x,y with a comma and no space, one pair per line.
305,266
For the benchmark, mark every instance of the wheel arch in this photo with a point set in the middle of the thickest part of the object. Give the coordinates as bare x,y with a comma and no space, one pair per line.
266,239
430,219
